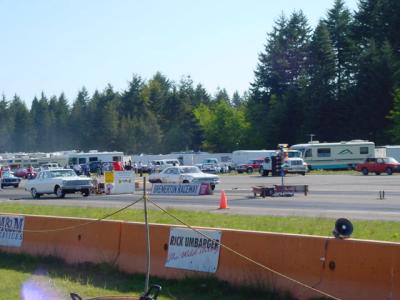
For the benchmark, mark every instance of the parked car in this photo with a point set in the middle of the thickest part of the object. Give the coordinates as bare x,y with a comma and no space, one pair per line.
8,179
21,172
27,173
161,164
59,182
295,166
49,166
251,166
210,168
184,174
387,165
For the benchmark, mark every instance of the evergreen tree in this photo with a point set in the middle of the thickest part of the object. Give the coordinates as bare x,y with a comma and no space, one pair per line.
41,123
79,122
6,126
374,94
237,100
394,117
21,133
338,23
320,110
281,73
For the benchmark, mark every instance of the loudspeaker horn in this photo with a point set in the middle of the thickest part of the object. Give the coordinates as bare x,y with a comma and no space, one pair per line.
343,228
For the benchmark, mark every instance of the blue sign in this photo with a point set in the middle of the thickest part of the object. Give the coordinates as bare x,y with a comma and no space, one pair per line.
189,189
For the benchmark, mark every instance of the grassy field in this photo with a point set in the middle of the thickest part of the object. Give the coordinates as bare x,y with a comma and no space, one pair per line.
372,230
24,274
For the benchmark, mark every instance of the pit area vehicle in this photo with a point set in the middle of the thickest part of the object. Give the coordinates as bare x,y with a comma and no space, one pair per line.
58,182
387,165
251,166
335,156
161,164
184,174
27,173
295,166
8,179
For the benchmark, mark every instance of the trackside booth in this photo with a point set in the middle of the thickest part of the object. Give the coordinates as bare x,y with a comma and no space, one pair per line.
119,182
307,266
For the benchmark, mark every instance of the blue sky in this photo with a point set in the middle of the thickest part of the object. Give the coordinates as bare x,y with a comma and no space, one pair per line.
60,46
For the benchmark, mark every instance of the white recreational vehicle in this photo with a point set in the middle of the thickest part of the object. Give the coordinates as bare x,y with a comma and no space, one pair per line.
79,158
335,156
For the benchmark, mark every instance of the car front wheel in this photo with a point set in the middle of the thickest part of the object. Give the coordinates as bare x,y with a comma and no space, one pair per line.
86,193
35,194
59,192
389,171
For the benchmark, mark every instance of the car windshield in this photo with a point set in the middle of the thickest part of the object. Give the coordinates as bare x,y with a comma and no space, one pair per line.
62,173
186,170
294,153
6,174
391,160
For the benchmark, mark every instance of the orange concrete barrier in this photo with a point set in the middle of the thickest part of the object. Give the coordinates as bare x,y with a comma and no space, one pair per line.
94,242
346,269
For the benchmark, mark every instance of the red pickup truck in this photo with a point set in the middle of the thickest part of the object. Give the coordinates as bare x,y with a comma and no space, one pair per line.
252,165
386,165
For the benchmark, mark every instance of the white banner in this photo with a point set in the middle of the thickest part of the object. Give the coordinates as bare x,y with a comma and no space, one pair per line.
190,250
188,189
11,230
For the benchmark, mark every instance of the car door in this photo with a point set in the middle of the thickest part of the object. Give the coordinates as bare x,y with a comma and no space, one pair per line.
38,182
379,166
173,175
165,176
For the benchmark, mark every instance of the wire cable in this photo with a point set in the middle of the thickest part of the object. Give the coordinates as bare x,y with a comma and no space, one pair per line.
244,256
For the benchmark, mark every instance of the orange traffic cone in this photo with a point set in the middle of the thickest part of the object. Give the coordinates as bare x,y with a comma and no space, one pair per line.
223,201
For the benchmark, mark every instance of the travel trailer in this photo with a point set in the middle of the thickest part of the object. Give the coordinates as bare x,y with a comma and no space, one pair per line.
244,156
335,156
79,158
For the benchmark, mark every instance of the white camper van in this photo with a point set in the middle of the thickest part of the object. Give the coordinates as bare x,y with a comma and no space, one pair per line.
335,156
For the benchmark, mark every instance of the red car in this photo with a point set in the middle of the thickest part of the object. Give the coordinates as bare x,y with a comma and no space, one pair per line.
386,165
25,173
252,165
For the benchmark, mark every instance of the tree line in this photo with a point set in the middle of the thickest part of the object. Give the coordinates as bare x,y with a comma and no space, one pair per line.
338,81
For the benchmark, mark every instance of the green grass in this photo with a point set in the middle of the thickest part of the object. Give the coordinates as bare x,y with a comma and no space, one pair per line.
50,277
334,172
372,230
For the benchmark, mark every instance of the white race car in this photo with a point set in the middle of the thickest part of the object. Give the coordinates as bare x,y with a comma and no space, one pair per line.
184,174
59,182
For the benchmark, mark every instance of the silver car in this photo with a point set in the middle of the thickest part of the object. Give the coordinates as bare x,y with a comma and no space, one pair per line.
58,182
184,174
